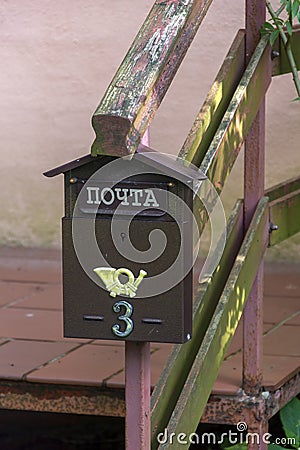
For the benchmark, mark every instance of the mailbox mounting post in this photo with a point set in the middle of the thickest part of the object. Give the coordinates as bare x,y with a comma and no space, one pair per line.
138,385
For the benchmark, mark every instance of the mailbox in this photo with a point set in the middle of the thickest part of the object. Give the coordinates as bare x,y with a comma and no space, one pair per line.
127,248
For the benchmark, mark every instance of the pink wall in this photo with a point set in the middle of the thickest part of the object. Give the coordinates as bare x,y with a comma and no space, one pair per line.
57,59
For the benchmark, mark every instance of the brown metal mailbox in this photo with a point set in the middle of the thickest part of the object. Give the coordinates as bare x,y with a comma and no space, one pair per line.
127,248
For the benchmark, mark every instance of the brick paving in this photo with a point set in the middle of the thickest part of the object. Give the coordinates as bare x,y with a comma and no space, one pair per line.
33,350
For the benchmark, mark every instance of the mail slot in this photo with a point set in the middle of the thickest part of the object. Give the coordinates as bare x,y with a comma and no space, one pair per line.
127,248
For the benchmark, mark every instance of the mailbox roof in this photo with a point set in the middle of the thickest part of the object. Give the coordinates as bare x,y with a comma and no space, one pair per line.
70,165
174,168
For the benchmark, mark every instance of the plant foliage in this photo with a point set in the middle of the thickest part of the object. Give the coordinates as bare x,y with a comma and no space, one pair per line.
290,419
276,27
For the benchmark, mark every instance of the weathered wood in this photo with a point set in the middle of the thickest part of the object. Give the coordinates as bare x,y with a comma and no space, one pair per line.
284,209
281,64
145,74
216,103
285,214
282,189
240,114
180,361
238,118
227,142
217,165
204,371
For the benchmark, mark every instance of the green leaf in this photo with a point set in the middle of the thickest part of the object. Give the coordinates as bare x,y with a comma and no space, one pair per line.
278,20
295,8
274,36
297,99
289,6
275,447
268,26
237,447
290,419
289,27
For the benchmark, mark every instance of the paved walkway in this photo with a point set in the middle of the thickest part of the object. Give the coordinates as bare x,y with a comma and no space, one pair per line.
33,350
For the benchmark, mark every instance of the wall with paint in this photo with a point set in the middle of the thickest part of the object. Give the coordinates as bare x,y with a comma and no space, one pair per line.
57,60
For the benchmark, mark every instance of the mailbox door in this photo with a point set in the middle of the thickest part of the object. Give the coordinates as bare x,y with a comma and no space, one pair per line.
96,313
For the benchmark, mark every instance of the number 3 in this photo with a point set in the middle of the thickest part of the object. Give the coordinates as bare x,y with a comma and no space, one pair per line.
124,317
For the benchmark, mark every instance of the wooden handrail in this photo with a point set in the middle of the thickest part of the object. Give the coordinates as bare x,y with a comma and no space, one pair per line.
218,98
145,74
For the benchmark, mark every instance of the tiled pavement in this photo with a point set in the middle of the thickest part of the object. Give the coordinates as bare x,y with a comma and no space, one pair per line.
32,348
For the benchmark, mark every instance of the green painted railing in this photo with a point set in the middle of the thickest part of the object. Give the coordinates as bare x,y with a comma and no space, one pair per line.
213,144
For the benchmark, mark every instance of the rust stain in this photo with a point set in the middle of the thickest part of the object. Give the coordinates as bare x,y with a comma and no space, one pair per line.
230,410
72,400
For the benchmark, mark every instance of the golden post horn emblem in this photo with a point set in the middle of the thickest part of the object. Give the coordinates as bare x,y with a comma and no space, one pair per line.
110,277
